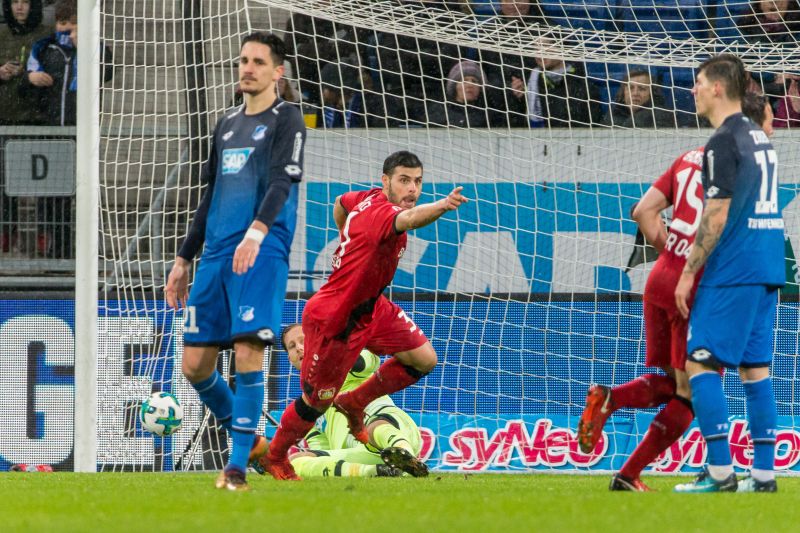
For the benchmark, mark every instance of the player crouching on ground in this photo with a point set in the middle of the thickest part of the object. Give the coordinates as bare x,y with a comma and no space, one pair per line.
665,329
350,312
394,438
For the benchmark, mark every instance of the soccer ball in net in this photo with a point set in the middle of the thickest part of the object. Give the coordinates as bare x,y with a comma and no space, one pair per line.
161,414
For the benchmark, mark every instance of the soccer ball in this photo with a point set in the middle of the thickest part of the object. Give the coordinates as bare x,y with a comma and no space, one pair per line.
161,414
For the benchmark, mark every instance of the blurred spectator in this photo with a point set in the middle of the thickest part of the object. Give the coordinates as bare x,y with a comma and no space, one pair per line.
787,114
525,11
345,104
756,106
52,77
287,85
503,70
408,71
772,21
23,27
313,43
465,106
342,98
639,105
558,95
753,84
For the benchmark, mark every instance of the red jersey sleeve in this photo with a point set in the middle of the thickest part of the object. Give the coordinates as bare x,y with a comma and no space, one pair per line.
382,222
350,200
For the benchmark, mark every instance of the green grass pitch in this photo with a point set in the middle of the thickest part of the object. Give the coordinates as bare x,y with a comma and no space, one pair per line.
155,503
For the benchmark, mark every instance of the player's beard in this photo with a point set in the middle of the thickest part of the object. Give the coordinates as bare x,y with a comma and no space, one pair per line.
255,90
406,202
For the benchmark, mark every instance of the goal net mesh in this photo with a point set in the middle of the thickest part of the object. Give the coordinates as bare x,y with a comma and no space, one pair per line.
529,293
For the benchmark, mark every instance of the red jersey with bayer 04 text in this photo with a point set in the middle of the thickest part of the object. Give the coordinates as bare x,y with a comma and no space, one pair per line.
682,186
363,265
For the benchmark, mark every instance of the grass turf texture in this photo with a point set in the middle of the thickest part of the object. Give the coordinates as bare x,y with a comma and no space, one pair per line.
155,503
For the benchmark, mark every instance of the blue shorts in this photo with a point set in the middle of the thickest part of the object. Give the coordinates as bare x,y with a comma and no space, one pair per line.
733,326
224,307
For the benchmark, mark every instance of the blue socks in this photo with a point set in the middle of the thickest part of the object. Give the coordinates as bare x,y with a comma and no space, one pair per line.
246,413
711,412
762,414
218,397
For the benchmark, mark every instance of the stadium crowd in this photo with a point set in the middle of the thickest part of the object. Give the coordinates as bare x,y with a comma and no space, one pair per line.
38,87
347,77
350,77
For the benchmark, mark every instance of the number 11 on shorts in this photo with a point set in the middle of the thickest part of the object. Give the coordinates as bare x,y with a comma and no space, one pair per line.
190,320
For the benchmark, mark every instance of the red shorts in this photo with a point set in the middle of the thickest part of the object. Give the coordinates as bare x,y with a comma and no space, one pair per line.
665,335
327,360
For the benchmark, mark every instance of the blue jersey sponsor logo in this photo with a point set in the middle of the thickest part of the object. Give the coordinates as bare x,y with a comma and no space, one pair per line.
246,313
259,132
234,159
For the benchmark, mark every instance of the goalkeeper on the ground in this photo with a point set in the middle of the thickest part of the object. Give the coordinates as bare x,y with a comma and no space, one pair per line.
394,438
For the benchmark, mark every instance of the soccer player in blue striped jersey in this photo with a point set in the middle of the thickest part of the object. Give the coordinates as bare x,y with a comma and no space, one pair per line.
246,219
740,241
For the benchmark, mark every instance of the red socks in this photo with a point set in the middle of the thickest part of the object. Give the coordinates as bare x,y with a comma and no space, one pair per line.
667,427
648,390
391,377
291,429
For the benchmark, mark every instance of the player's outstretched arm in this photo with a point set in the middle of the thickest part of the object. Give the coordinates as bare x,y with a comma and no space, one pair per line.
177,288
715,215
425,214
647,215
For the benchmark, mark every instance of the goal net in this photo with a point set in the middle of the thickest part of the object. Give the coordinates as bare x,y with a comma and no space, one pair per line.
529,293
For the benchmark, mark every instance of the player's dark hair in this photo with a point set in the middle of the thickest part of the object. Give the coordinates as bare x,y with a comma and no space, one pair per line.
286,330
402,158
277,48
728,69
753,106
65,10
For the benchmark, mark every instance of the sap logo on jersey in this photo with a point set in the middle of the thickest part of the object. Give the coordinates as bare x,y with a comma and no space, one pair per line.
234,159
259,132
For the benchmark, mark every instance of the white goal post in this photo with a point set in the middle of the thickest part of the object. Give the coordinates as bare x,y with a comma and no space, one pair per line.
529,294
87,225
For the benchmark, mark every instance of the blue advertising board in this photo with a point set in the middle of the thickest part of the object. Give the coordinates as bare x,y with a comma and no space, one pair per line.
545,234
505,396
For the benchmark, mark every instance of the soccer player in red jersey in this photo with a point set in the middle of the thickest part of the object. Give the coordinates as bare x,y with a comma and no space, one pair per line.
350,313
665,329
